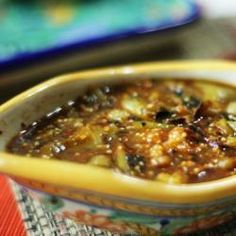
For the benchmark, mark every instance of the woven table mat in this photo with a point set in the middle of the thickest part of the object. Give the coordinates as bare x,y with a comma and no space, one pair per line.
19,214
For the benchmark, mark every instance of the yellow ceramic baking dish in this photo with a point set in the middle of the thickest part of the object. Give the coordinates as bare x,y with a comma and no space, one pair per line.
126,204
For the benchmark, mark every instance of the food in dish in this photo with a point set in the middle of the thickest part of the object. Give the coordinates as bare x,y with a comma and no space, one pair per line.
175,131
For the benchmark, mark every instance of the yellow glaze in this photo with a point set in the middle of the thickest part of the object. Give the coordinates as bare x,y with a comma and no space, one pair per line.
72,175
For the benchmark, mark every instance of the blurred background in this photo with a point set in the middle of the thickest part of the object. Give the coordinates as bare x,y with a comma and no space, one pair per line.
41,39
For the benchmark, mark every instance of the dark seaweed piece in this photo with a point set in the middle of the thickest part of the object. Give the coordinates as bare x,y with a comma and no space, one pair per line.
143,123
164,115
195,133
196,129
136,162
29,131
178,121
231,151
200,113
191,102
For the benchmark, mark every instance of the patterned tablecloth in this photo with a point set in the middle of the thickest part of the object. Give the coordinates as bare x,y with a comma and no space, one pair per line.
22,216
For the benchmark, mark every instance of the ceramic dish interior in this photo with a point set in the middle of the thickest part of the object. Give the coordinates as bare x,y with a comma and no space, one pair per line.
121,200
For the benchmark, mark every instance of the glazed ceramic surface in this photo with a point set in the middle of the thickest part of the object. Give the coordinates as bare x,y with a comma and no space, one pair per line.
52,28
100,197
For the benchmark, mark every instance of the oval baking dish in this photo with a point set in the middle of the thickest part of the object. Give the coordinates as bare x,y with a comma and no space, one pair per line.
125,203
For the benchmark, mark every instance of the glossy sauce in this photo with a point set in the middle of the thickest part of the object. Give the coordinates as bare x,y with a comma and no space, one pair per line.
175,131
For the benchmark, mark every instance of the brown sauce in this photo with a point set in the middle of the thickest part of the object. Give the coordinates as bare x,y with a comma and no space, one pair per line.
175,131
